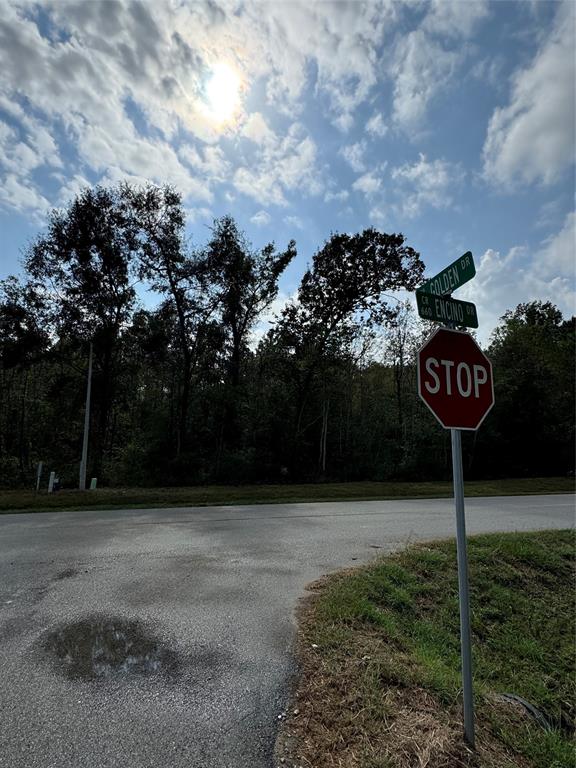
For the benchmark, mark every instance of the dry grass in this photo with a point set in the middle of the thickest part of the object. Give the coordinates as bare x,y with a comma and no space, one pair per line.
331,724
364,698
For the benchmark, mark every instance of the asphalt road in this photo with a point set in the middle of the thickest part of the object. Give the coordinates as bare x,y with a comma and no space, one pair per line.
210,593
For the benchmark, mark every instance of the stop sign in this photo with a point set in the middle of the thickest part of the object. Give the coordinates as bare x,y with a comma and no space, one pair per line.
455,379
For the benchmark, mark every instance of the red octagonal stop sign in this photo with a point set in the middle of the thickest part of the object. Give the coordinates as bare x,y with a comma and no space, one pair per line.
455,379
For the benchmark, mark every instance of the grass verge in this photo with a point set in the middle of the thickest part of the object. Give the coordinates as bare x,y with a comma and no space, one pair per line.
118,498
380,660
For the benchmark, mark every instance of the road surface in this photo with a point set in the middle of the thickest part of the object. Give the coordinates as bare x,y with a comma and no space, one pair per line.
162,638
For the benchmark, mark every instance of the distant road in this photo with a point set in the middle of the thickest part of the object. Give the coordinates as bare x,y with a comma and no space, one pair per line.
219,586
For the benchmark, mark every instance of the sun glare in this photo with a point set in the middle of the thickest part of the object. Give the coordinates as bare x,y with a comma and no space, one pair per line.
222,93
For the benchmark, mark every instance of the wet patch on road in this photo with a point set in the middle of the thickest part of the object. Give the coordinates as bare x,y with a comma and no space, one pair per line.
66,574
102,647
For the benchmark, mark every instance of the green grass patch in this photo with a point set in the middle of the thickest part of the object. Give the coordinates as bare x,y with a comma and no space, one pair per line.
118,498
397,626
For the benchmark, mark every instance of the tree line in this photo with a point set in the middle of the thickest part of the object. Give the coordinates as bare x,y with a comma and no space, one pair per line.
192,390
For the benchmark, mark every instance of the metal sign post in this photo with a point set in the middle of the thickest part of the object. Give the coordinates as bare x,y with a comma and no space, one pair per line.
84,460
38,476
455,381
464,598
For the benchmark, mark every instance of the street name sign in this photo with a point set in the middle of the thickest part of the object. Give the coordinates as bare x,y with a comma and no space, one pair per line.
455,379
452,277
446,310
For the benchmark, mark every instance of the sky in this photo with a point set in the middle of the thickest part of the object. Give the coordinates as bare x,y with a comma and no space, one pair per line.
451,122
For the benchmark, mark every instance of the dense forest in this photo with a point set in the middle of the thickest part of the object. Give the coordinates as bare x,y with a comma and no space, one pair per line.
190,392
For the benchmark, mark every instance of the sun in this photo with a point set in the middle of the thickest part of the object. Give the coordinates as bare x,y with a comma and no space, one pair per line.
222,93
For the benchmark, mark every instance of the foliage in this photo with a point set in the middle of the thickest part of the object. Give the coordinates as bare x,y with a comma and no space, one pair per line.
183,394
532,424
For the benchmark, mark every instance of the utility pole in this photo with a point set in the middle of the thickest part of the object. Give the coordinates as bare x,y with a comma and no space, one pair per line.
83,462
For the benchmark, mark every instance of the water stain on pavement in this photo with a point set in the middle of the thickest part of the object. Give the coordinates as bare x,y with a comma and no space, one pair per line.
102,647
67,574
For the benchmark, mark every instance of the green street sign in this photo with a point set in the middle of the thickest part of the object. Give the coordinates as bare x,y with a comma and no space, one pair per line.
451,278
445,310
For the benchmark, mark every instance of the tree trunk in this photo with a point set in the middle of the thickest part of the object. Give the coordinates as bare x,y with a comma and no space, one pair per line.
182,428
324,436
22,428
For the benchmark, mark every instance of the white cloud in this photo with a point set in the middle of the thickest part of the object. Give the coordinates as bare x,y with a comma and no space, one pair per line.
287,165
261,219
208,159
260,185
425,184
110,60
425,60
454,18
22,196
557,256
504,281
354,155
376,125
21,154
71,188
422,67
339,196
532,138
369,183
199,214
342,39
294,221
257,130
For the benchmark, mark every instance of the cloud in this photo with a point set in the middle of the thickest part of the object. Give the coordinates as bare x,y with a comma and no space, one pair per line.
199,214
454,18
422,67
557,254
340,196
257,130
286,165
376,125
22,196
354,155
343,41
532,138
425,60
504,281
294,221
22,152
425,184
369,183
70,188
261,219
209,160
102,63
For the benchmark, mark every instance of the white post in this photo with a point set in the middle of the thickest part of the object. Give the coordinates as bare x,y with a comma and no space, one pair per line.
38,476
83,462
51,482
465,645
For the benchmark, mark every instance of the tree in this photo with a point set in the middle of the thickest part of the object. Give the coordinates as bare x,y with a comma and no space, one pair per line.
341,295
176,274
532,423
24,333
24,338
83,266
244,283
